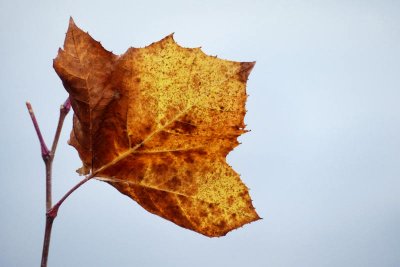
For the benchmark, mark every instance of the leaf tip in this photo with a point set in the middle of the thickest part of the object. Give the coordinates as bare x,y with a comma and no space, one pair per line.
72,25
171,37
71,21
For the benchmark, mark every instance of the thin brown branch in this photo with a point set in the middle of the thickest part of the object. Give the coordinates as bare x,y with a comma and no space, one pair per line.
54,210
64,109
48,157
49,170
46,242
45,151
51,215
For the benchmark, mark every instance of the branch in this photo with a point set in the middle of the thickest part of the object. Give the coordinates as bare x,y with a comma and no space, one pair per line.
54,210
43,147
51,214
64,109
48,156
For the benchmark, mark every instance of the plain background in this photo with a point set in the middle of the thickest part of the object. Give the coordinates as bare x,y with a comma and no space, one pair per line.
322,159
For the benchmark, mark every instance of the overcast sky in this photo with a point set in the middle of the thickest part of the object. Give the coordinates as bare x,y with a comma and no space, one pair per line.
322,158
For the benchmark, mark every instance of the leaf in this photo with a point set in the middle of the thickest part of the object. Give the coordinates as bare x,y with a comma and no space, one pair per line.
157,124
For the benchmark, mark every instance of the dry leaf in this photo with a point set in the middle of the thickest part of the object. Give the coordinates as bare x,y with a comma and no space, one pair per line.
157,123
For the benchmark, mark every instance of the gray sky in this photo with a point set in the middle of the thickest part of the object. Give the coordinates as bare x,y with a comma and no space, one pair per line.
322,159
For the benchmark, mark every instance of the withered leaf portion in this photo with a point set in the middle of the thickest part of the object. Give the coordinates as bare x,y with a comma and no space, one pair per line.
157,124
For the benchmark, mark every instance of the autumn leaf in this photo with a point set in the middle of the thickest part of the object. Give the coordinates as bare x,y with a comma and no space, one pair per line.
157,124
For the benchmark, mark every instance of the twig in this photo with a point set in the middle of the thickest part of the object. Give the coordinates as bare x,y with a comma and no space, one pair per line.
46,241
45,151
54,210
64,109
51,214
48,157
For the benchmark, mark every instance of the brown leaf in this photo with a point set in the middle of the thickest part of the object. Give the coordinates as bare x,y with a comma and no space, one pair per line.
157,123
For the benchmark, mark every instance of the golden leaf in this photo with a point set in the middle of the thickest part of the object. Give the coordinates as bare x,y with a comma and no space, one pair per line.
157,124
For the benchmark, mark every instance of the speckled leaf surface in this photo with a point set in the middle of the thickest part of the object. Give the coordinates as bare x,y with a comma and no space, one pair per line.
157,124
